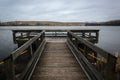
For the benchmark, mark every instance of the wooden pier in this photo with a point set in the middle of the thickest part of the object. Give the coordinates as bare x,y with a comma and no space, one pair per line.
58,63
50,58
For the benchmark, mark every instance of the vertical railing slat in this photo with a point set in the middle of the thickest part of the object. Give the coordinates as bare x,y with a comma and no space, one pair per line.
9,68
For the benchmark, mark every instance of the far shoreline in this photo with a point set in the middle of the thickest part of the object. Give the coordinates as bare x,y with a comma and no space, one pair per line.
52,23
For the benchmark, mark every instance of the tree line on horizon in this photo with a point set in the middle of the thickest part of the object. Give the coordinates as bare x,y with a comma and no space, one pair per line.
50,23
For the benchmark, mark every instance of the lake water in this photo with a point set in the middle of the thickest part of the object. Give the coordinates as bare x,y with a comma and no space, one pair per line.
109,37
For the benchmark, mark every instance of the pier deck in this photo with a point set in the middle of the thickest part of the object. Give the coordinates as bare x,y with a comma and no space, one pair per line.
58,63
56,57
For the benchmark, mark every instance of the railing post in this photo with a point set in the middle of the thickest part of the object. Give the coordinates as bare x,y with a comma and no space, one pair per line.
68,35
89,34
37,43
86,51
76,43
97,36
42,36
9,69
83,34
111,67
28,35
31,50
14,36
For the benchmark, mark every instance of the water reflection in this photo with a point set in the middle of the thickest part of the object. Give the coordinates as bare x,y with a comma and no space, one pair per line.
6,43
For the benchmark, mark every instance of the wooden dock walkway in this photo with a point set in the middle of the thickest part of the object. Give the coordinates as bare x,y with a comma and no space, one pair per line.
58,63
56,57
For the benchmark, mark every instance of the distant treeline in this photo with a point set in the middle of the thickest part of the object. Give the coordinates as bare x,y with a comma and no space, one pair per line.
108,23
40,23
50,23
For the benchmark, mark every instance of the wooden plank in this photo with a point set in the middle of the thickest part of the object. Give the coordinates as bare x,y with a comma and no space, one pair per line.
94,30
26,31
55,30
58,63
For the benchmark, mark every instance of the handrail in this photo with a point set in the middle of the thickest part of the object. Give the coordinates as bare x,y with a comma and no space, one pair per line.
108,68
93,47
18,51
89,70
26,57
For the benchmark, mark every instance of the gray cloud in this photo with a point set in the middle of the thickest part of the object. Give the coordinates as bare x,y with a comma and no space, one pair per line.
59,10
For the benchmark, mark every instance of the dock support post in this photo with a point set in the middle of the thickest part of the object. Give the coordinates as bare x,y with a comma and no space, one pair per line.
97,36
110,69
9,69
83,34
14,37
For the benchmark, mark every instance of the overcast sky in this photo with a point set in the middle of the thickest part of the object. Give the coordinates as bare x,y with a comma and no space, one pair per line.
59,10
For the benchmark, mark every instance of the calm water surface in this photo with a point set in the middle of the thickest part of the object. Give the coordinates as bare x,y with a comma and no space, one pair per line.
109,37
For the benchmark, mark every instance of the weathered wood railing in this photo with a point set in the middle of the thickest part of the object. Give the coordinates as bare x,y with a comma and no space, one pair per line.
90,35
20,64
24,34
55,33
97,63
